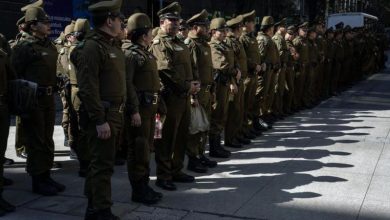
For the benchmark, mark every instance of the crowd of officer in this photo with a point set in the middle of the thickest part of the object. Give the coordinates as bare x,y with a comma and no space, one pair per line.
116,80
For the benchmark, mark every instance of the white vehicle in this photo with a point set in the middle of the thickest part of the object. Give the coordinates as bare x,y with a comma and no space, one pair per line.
353,19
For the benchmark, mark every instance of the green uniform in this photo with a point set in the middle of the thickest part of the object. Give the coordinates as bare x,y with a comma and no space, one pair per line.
143,85
174,65
302,48
20,137
310,93
6,74
290,79
63,63
319,83
100,65
202,68
63,72
39,122
281,84
250,82
223,65
346,72
234,123
268,82
328,66
337,68
78,138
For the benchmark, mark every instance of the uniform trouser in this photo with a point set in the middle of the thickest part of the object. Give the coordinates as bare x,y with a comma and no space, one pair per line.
170,150
140,144
219,110
310,85
280,89
20,136
335,78
345,74
259,105
250,111
40,124
327,76
270,84
4,131
235,115
319,84
196,144
65,114
78,137
98,182
290,90
300,83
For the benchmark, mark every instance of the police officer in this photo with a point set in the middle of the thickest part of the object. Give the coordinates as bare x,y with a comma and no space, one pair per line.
321,44
6,74
302,49
100,65
281,45
143,85
234,126
63,63
289,105
250,44
224,72
329,60
202,68
34,59
174,65
20,137
79,140
310,93
270,57
183,30
339,58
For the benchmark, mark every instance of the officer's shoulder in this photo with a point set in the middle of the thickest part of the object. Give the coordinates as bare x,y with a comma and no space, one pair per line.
189,42
2,53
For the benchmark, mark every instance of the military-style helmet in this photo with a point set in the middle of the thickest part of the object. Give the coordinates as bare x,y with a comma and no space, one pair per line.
218,24
69,29
267,21
82,26
138,21
35,14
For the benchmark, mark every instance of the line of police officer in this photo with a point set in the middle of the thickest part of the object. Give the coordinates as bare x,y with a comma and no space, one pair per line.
117,77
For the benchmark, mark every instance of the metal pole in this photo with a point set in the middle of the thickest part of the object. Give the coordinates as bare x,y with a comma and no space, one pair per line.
161,4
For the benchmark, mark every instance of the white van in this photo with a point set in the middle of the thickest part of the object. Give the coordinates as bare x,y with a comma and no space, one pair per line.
353,19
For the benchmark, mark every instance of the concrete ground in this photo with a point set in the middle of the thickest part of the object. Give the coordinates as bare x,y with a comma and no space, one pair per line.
331,162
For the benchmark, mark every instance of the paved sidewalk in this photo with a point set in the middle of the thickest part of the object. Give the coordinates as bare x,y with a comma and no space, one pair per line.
331,162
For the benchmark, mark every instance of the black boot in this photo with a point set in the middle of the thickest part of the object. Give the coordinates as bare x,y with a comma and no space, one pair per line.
142,194
60,187
41,185
157,194
216,149
105,214
6,206
207,162
233,144
195,165
90,212
243,141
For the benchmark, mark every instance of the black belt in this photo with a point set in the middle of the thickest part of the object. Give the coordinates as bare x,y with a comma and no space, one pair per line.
113,107
45,90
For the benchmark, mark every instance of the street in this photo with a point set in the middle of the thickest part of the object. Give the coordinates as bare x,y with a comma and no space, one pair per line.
330,162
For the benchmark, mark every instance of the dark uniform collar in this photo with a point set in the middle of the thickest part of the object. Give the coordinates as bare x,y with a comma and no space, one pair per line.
107,37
